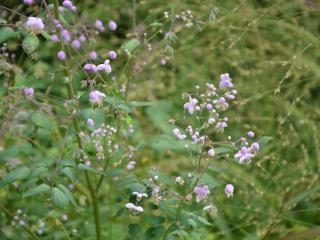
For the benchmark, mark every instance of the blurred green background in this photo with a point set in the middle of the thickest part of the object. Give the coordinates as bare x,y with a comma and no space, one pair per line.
271,50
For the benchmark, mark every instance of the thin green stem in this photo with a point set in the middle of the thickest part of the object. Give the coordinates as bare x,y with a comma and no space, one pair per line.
77,128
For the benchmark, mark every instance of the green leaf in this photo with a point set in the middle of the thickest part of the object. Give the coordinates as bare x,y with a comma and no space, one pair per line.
224,149
17,174
134,229
87,168
30,44
264,140
45,35
154,232
66,191
39,189
70,173
41,120
131,45
140,104
59,198
6,33
38,171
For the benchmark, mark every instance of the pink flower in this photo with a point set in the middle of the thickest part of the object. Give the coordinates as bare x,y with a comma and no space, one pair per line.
99,25
190,106
54,38
75,44
244,154
61,55
112,55
178,134
228,190
140,195
28,2
201,193
250,134
93,55
105,66
90,122
96,97
28,91
211,152
89,67
225,81
66,35
112,25
35,24
131,165
135,208
82,38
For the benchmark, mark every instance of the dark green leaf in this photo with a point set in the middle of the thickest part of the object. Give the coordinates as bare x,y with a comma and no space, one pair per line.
6,33
70,173
17,174
59,198
30,44
39,189
134,229
66,191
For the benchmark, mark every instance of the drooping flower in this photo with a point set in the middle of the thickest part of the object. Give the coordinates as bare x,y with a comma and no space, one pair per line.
211,152
228,190
255,147
65,34
105,66
99,25
28,2
225,81
250,134
35,24
131,165
244,154
190,106
89,67
201,192
61,55
28,91
112,55
76,44
82,38
54,38
90,122
140,195
178,134
112,25
220,126
96,97
135,208
93,55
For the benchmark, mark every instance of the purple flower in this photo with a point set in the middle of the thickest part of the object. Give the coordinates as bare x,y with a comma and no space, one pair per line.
250,134
225,81
222,103
244,154
112,55
112,25
67,4
131,165
135,208
28,2
75,44
66,35
178,134
190,106
99,25
89,67
35,24
82,38
28,91
105,66
54,38
228,190
96,97
255,147
140,195
163,61
90,122
93,55
201,193
211,152
61,55
220,126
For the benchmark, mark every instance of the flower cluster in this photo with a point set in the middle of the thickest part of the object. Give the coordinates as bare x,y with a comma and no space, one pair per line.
34,24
